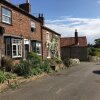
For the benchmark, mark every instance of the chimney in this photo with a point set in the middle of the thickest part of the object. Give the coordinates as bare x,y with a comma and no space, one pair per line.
26,6
76,37
41,17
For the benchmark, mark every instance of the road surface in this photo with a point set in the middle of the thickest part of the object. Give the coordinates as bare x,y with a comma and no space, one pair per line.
80,82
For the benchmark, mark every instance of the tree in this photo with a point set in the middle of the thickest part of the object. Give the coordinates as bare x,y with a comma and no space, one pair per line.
97,42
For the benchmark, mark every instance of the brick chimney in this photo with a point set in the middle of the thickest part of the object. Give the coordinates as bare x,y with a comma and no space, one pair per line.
26,6
41,17
76,37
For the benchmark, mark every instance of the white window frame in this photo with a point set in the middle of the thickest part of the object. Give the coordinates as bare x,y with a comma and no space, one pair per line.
17,42
33,25
47,36
39,45
5,17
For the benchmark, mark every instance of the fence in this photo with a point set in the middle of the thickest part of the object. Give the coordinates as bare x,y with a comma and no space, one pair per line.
74,52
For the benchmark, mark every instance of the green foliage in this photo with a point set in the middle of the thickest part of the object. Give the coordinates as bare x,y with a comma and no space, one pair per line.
97,41
94,51
7,64
36,71
24,68
35,59
58,61
2,77
46,66
13,86
67,62
10,75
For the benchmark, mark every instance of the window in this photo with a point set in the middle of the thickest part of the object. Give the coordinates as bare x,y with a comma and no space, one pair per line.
6,16
16,48
33,26
36,47
47,36
8,46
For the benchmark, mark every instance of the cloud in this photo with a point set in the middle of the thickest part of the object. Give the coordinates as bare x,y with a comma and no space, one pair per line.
86,27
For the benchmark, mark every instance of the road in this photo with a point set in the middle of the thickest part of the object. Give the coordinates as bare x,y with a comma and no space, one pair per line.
80,82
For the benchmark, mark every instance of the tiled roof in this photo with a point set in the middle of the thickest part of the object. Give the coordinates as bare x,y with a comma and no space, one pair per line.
70,41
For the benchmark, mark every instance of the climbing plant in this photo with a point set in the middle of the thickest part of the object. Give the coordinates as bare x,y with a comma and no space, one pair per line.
53,46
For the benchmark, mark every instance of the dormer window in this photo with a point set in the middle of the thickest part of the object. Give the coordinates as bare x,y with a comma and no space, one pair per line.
6,16
33,26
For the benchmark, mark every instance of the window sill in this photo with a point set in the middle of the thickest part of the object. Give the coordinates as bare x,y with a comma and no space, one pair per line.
7,23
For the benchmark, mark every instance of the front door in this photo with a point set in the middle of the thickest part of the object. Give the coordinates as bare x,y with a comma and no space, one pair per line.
26,50
26,47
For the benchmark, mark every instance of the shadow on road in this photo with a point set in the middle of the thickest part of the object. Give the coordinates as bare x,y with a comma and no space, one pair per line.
96,72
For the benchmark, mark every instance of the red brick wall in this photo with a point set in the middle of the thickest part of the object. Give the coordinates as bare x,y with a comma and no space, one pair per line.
21,25
44,31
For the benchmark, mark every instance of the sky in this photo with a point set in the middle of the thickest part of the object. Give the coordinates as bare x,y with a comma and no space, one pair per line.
64,16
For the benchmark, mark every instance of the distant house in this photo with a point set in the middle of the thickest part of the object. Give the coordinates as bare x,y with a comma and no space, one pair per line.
74,47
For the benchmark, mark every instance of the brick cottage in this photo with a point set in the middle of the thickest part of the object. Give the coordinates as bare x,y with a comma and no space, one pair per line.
21,33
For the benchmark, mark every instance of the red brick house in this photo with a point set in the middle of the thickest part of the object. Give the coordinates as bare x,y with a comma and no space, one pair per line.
20,32
51,48
74,47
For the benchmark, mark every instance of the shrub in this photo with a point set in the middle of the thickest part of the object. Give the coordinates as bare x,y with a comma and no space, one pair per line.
7,64
34,71
94,51
2,77
35,59
24,68
66,62
46,66
58,61
10,75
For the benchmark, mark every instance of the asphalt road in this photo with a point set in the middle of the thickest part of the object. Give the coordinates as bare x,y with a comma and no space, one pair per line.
77,83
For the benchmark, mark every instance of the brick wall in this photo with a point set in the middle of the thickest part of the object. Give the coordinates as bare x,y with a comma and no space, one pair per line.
21,25
44,31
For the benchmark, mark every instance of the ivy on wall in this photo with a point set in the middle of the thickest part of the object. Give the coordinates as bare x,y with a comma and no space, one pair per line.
53,46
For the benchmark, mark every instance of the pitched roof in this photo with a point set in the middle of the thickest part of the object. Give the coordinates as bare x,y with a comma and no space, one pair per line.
70,41
44,27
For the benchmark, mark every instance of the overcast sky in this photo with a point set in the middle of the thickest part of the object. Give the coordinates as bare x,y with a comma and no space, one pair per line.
64,16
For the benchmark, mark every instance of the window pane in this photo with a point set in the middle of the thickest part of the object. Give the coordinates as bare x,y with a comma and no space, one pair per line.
38,48
19,50
34,46
14,50
33,24
6,16
8,47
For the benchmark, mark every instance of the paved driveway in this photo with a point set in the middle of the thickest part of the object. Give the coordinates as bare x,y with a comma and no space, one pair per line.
77,83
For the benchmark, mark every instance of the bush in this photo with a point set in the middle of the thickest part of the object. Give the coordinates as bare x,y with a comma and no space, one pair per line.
66,62
46,66
24,68
35,59
7,64
2,77
10,75
58,61
94,51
